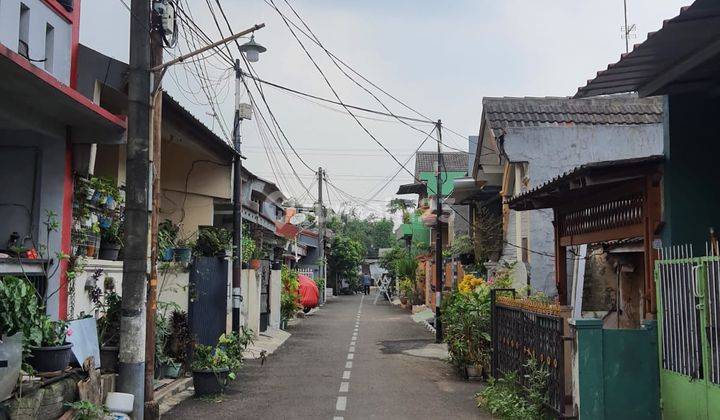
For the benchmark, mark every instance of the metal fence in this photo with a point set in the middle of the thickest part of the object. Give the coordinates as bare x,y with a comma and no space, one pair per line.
519,334
689,293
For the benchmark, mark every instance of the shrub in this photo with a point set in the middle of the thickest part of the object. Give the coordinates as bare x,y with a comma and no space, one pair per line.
290,296
466,317
508,398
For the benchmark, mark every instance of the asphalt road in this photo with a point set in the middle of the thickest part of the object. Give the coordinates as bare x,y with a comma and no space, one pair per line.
350,360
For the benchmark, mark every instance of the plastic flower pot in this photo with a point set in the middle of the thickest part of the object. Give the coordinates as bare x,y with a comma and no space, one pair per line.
109,251
182,255
109,356
474,372
50,359
171,370
209,382
11,354
104,222
110,203
167,255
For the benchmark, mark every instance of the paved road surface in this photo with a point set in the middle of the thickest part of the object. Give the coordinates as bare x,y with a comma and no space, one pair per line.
348,361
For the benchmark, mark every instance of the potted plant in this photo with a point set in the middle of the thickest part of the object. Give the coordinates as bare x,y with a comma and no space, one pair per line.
255,257
111,241
109,329
248,250
180,340
183,250
167,238
49,351
18,309
210,370
405,286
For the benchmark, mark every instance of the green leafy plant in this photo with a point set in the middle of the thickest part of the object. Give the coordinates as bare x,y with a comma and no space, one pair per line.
466,318
180,339
461,245
213,242
320,283
19,308
85,410
113,234
406,287
108,324
517,398
234,344
290,295
53,332
249,248
211,359
167,234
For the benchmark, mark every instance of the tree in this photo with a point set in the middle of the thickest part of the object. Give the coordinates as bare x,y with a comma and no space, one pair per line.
401,205
344,258
372,233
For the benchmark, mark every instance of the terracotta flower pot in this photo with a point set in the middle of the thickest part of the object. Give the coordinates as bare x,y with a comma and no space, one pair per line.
255,264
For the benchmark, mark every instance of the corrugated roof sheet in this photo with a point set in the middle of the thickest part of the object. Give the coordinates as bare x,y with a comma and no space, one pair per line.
452,162
683,55
509,112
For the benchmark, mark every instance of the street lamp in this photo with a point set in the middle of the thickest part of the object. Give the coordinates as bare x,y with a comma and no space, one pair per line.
252,50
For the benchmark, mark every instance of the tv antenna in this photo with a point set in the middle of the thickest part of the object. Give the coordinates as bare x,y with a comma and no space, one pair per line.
628,31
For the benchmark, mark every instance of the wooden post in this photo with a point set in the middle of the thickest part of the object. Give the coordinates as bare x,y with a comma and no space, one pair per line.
651,219
560,262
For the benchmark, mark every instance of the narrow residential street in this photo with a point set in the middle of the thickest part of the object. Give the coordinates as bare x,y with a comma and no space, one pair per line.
352,360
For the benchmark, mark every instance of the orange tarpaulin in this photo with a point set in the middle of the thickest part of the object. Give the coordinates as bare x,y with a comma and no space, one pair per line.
309,293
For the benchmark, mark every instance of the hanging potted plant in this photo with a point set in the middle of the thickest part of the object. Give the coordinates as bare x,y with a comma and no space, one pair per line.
183,249
210,370
18,310
49,352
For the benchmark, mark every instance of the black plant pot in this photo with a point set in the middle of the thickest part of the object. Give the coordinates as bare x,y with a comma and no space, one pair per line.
109,356
109,252
208,382
50,359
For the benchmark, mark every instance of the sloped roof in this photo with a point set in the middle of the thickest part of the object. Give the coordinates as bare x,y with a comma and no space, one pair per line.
452,162
501,113
684,55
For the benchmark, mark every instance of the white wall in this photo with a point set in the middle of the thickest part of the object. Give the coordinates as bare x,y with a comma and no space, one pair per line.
40,16
172,285
552,151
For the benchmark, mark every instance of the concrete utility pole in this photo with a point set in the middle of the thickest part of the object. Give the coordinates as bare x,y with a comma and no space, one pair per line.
237,206
152,409
135,263
321,231
438,239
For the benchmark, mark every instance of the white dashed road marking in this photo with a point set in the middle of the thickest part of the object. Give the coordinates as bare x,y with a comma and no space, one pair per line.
341,403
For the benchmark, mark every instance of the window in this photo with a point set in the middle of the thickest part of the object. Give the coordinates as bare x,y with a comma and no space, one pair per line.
24,35
49,47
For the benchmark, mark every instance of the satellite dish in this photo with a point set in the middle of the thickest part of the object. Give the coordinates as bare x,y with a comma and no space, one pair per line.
298,219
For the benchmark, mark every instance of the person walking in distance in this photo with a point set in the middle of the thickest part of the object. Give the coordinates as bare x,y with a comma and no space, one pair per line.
366,280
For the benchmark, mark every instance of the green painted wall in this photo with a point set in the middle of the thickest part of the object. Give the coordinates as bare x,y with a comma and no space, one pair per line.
617,371
691,203
447,178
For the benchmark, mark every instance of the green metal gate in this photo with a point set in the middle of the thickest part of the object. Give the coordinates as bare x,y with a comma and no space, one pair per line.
688,295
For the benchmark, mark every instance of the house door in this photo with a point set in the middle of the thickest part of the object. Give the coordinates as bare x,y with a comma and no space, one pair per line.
688,293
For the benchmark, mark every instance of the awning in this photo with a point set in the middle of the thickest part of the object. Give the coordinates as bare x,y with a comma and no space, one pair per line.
585,181
683,55
468,190
415,188
32,99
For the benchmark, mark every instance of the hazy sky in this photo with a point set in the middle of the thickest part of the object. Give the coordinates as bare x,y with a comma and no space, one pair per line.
441,58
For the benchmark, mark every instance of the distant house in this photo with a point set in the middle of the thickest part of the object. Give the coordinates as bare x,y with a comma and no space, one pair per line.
525,142
454,166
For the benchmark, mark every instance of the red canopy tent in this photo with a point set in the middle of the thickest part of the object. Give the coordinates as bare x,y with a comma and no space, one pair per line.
309,292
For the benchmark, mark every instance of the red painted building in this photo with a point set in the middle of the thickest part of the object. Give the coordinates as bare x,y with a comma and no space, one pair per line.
47,132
